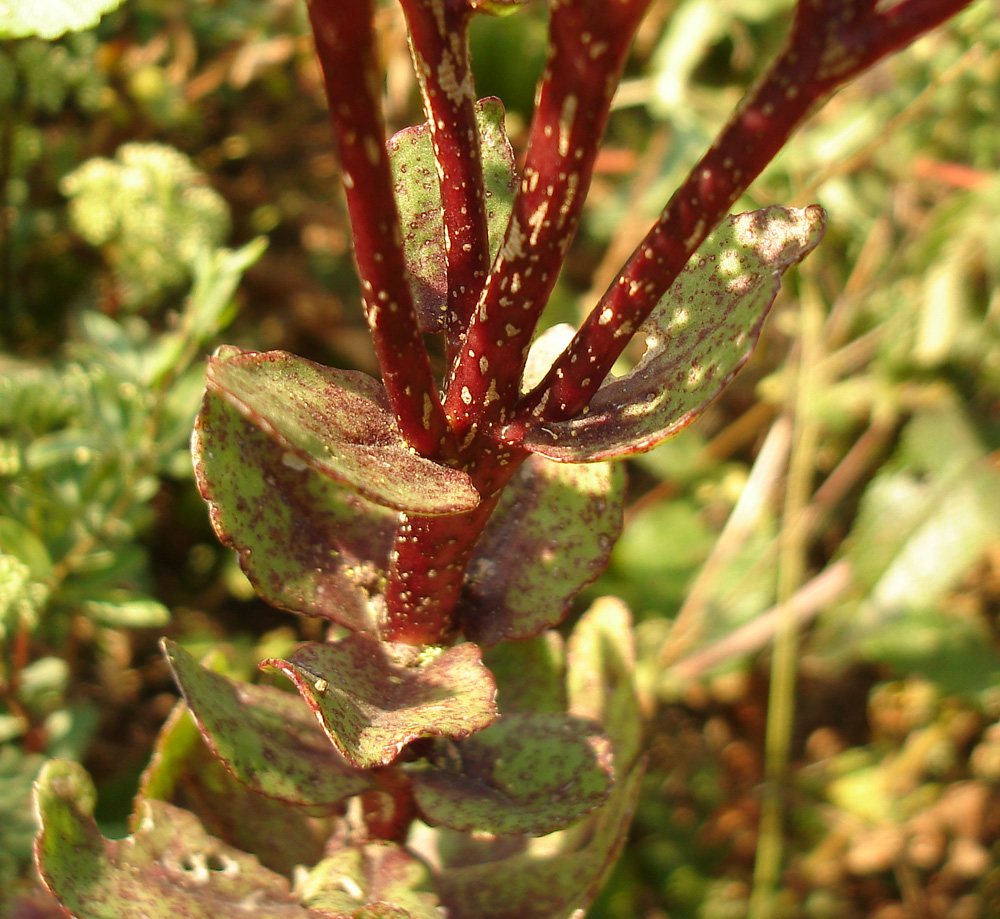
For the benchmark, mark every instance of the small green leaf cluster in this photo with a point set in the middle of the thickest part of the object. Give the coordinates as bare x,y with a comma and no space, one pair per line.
151,212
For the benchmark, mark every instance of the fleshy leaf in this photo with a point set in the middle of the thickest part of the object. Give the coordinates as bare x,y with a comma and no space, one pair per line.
550,536
306,543
184,772
372,698
529,774
697,338
544,657
418,196
268,739
51,18
169,869
600,681
338,423
540,884
371,881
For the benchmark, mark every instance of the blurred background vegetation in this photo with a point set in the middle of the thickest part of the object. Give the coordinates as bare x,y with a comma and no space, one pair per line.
814,567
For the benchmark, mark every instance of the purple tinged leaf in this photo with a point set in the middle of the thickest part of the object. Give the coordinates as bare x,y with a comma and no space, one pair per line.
418,197
268,739
698,337
371,881
338,423
540,884
184,772
307,543
528,774
372,698
550,536
170,868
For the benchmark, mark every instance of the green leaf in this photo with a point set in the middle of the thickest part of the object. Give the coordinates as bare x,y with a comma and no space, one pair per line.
268,739
374,697
337,423
600,679
183,771
529,774
169,869
540,883
307,543
544,658
51,18
379,879
128,610
698,337
418,197
551,535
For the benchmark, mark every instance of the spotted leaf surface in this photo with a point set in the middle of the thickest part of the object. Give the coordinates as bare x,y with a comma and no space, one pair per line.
307,543
544,657
418,196
338,423
184,772
529,774
169,869
551,880
268,739
372,881
372,698
697,338
550,536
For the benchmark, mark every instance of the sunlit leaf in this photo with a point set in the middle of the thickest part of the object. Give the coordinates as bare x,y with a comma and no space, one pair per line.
373,698
307,543
698,337
418,197
371,881
338,423
550,536
51,18
267,738
184,772
169,869
528,773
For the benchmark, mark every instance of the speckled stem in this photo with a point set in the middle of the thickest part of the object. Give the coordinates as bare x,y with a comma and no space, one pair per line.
831,41
589,40
440,48
345,45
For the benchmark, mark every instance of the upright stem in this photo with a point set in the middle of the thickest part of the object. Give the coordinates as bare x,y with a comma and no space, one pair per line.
588,40
831,41
440,47
346,47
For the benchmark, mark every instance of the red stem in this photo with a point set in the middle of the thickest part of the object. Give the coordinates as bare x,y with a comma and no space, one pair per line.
588,43
440,48
831,42
346,47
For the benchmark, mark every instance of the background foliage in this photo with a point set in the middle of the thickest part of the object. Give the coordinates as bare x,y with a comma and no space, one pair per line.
849,477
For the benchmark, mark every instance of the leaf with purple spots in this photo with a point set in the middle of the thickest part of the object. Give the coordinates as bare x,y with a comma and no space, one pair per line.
372,698
307,543
550,536
418,197
337,423
376,880
530,774
268,739
697,338
169,869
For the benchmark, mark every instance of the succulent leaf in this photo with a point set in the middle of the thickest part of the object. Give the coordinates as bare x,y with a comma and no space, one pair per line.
550,536
338,423
268,739
528,774
697,338
372,698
